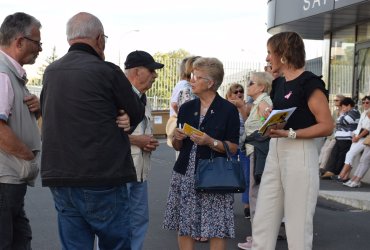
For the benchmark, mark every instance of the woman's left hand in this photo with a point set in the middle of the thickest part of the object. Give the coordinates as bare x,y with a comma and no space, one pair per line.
276,132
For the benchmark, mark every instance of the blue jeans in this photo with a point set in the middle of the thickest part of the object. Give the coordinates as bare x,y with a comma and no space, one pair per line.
244,160
139,213
15,230
89,211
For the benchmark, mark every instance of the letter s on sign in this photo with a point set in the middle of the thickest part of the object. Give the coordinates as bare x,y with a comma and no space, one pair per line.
306,4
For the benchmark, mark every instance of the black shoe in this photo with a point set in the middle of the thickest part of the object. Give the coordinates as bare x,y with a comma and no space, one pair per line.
282,233
247,213
334,177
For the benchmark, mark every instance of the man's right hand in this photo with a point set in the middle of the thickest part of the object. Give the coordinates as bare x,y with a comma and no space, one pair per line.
123,120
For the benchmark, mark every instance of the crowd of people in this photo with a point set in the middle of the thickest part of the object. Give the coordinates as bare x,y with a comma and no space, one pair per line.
97,140
349,143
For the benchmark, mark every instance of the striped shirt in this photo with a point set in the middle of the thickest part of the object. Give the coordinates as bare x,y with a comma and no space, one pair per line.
346,124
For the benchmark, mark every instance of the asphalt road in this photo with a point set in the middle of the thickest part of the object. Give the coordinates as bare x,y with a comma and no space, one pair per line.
335,226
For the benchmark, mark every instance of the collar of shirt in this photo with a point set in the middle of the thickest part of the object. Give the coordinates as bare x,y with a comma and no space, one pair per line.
136,91
21,71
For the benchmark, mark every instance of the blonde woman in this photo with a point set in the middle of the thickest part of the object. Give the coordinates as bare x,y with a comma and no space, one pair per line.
257,147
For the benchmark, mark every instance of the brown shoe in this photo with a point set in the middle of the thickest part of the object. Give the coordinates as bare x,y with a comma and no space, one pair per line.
327,175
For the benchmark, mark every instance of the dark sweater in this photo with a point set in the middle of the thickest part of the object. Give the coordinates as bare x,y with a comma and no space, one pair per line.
82,144
221,122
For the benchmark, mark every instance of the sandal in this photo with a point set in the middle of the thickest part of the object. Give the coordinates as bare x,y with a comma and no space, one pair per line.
201,240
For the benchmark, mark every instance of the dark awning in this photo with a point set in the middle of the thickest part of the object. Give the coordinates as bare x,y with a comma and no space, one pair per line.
313,18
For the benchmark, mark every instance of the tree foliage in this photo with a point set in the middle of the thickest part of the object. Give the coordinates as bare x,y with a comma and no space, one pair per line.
168,76
53,57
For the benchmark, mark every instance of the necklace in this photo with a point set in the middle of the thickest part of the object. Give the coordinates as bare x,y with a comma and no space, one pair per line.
203,110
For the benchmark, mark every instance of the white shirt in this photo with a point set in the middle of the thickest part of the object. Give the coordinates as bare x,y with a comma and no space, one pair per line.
175,94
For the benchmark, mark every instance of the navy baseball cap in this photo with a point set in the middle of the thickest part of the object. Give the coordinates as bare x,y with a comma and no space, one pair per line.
141,58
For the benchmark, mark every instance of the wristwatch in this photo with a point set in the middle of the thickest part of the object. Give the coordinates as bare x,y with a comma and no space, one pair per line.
292,134
215,143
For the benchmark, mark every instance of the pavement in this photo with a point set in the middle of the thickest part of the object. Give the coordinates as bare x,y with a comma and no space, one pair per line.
331,190
355,197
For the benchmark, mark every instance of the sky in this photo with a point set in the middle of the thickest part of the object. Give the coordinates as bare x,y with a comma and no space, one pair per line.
229,30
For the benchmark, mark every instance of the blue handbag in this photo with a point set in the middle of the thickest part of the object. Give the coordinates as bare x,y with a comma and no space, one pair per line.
220,174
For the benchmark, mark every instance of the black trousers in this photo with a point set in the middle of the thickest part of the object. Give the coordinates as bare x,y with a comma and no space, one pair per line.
338,155
15,229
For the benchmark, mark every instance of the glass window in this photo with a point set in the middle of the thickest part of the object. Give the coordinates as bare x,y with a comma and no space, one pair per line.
342,61
363,32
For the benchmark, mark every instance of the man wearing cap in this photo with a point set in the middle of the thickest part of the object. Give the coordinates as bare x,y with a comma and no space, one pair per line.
140,70
86,159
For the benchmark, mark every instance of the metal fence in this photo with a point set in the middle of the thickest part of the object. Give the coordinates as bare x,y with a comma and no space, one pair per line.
235,72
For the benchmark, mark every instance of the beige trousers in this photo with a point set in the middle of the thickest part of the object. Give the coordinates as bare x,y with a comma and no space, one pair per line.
289,187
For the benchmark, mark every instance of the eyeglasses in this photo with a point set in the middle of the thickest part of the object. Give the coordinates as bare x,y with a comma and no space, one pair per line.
238,91
365,102
195,77
38,43
105,38
250,83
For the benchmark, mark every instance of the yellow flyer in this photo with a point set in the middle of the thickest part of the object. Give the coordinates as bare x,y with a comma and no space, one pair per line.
189,130
276,117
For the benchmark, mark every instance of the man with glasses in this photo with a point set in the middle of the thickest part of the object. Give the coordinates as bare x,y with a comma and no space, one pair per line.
20,141
140,69
86,158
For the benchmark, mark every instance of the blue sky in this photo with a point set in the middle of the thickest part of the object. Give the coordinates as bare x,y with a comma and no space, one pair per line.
228,30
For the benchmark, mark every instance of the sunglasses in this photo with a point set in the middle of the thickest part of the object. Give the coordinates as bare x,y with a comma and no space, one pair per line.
365,102
251,83
238,91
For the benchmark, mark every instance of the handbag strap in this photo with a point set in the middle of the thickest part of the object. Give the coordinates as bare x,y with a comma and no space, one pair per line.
227,150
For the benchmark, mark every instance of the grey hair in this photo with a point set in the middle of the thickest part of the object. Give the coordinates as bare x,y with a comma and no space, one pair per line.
84,25
17,24
213,67
263,79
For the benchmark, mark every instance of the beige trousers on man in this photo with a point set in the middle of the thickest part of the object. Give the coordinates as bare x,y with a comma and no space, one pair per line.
289,187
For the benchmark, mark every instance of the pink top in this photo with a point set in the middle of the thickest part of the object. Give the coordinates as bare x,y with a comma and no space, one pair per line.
6,89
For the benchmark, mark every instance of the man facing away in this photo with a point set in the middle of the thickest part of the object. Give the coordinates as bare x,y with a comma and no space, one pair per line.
140,70
86,158
20,141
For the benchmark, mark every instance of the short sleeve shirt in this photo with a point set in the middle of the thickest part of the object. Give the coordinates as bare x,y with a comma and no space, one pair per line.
175,94
6,96
6,90
296,93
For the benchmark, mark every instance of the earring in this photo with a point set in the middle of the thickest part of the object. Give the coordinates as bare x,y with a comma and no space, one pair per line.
282,60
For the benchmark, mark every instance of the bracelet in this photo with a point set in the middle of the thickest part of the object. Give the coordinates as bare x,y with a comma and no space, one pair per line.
292,134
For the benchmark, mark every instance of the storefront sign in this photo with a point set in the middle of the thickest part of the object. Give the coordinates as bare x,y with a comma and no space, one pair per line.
284,11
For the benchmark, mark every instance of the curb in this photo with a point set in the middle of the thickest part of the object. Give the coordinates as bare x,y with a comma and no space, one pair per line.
348,198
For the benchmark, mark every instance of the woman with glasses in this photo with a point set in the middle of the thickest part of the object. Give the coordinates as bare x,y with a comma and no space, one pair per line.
330,140
235,95
290,182
194,214
357,145
256,146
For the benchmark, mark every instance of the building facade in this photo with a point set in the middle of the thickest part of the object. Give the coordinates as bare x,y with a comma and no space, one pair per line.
344,26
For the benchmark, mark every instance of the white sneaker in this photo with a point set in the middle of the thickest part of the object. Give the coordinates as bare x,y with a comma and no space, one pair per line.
354,184
246,245
348,183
